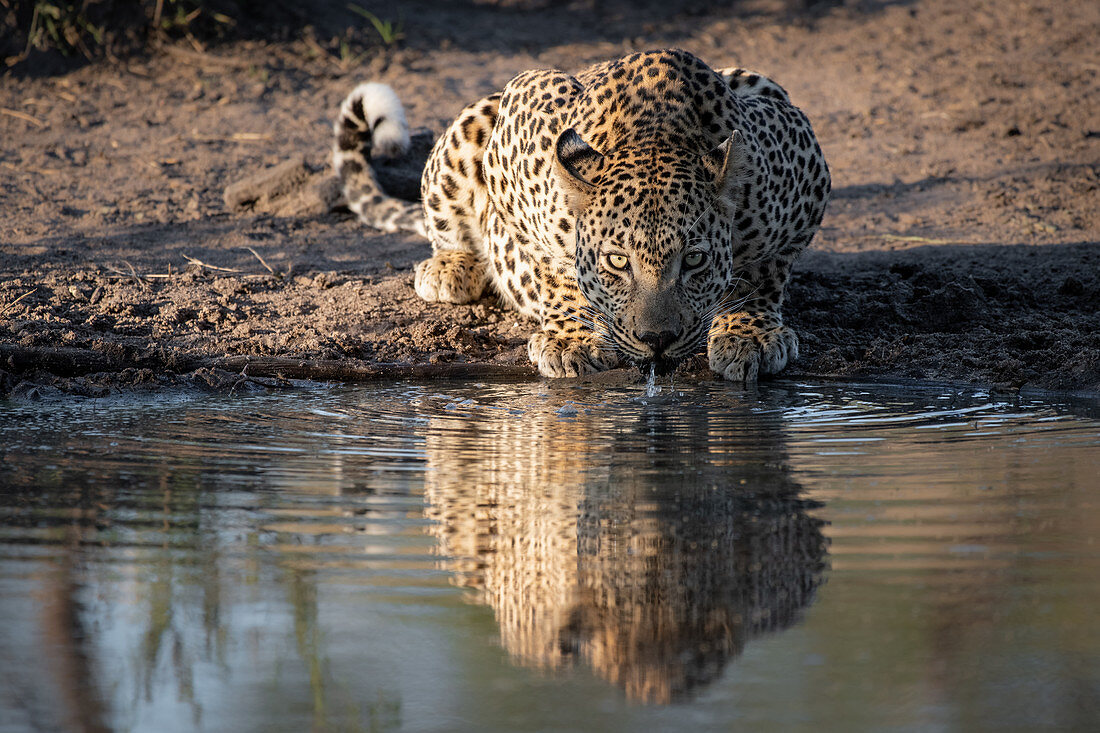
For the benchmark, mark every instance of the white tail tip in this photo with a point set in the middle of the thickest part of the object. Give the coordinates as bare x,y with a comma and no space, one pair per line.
384,114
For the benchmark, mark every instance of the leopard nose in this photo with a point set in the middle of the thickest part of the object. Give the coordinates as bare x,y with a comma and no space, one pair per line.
659,340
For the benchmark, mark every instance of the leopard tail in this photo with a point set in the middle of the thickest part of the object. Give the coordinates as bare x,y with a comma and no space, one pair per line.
372,121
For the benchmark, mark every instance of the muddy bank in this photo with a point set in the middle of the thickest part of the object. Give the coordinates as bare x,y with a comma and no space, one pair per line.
1005,316
960,244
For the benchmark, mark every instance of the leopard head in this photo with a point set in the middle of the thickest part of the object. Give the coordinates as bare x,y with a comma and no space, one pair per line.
654,241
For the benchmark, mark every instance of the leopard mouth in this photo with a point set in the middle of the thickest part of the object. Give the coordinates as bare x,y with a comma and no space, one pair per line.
662,365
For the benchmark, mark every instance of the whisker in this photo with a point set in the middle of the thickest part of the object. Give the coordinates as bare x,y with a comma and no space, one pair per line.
598,329
730,303
730,308
698,219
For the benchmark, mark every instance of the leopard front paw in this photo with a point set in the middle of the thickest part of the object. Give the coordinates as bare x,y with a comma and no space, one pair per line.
556,356
451,277
743,357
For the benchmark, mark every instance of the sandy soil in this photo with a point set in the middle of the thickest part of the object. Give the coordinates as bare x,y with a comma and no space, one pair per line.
960,244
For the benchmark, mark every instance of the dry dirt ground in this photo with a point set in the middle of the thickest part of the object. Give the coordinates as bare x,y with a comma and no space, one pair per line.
961,243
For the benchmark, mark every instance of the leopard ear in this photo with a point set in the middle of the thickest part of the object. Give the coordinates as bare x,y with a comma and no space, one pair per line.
575,162
729,163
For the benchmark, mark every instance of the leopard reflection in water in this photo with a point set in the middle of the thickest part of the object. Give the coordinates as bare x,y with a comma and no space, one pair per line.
651,556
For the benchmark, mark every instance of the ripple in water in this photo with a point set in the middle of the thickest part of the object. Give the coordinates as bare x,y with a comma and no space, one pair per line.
503,557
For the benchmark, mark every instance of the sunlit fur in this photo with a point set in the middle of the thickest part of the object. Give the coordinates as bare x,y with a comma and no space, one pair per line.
575,196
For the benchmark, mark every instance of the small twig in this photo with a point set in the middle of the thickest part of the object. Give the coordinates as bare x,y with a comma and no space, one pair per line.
194,41
251,137
237,137
9,306
132,274
22,116
28,171
923,240
261,259
144,285
200,263
150,276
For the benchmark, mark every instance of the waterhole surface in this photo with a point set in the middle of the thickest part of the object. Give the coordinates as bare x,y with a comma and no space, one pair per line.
540,557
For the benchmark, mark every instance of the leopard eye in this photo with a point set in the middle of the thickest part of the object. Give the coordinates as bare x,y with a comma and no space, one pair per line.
694,258
617,261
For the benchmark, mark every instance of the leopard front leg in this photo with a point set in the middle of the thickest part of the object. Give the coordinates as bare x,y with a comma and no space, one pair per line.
451,276
568,344
456,209
752,340
744,345
558,353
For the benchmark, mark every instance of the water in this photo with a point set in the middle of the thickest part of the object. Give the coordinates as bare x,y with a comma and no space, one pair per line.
515,557
651,388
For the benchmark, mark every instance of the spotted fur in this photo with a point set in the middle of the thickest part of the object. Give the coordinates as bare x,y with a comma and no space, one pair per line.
641,209
372,122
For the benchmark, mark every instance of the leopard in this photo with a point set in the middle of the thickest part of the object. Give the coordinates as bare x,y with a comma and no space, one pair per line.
642,210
